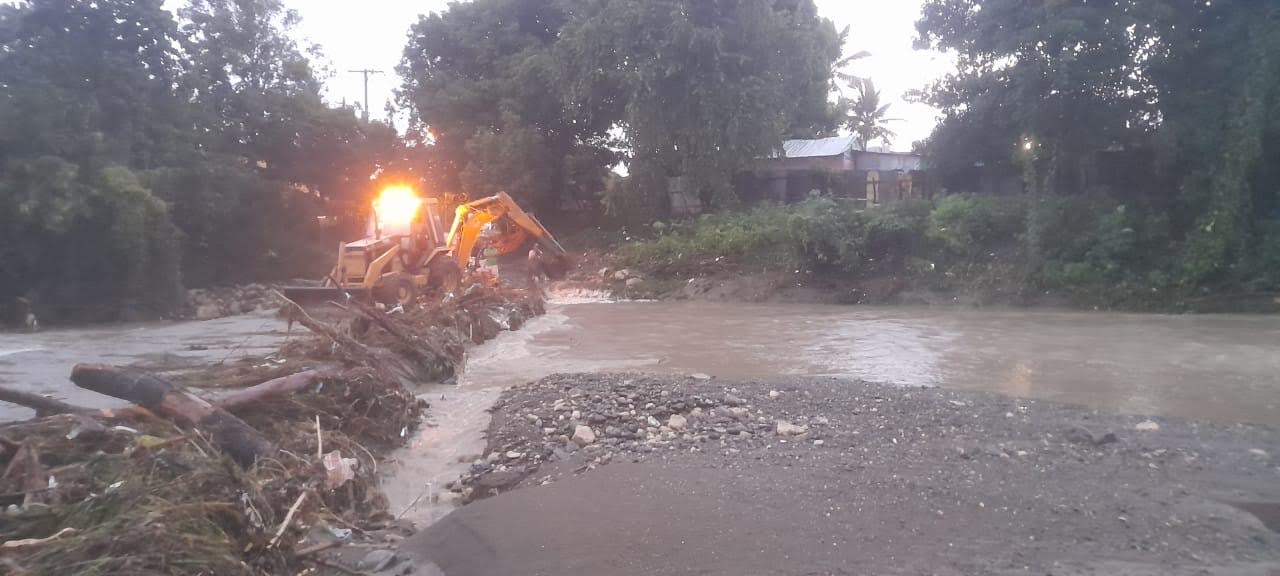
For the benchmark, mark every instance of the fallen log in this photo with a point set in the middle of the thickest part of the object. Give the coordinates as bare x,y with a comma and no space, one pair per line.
43,406
274,387
242,442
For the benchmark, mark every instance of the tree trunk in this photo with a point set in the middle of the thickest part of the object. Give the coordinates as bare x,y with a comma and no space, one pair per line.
242,442
275,387
43,406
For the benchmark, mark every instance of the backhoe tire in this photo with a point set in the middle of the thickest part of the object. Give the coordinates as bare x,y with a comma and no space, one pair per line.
444,275
397,290
406,291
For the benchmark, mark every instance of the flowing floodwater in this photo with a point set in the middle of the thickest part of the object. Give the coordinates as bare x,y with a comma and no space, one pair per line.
41,362
1221,368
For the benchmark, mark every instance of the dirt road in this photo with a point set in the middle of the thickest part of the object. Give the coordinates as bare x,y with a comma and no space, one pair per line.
863,479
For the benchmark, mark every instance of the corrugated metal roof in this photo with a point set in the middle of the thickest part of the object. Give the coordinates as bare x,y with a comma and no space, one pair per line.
819,148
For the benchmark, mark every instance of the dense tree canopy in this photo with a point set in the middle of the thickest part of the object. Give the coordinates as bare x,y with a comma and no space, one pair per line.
1189,92
138,148
534,97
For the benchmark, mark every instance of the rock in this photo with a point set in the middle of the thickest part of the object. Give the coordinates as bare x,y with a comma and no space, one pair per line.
1147,426
821,421
208,311
1259,453
513,455
1107,438
774,393
677,422
583,435
732,400
740,413
604,272
653,422
818,442
1078,435
377,559
700,376
623,275
633,282
784,428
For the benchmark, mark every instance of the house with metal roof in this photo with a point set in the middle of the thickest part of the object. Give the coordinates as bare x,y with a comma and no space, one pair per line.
833,166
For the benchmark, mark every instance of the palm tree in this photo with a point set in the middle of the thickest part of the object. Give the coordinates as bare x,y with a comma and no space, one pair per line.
865,116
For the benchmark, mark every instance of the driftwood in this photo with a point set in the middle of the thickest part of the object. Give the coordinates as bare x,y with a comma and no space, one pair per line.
242,442
274,387
43,406
353,348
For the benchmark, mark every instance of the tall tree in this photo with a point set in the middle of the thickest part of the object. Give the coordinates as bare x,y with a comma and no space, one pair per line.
86,98
865,116
1048,86
708,86
482,89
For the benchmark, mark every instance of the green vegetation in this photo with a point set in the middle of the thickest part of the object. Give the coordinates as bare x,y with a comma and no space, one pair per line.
139,151
541,97
1147,132
1083,250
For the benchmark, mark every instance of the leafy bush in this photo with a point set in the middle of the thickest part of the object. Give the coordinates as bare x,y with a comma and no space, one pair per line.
970,226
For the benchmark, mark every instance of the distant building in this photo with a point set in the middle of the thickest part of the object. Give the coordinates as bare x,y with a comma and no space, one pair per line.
831,166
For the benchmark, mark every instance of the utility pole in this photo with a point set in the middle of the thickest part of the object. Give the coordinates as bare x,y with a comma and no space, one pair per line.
366,72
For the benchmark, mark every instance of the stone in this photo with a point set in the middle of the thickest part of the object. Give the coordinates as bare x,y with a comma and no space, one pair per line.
1147,426
633,282
1078,435
377,559
822,421
653,422
774,393
677,422
208,312
1259,453
513,455
732,400
784,428
584,435
740,413
623,275
700,376
818,442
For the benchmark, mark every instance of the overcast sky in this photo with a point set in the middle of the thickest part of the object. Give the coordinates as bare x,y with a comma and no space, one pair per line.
372,34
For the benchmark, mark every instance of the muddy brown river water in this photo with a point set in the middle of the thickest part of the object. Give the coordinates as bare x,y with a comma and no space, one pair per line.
1220,368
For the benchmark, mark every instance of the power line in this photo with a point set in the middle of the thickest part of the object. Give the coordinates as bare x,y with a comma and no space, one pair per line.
366,72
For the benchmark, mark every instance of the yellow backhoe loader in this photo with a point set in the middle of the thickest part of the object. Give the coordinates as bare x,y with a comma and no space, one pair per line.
408,249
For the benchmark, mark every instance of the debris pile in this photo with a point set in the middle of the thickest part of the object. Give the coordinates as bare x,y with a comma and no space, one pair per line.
620,416
210,303
256,480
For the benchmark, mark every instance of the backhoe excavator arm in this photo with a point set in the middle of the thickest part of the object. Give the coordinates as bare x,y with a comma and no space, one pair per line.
472,217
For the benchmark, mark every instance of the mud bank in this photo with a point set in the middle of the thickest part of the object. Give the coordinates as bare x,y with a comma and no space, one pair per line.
642,474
